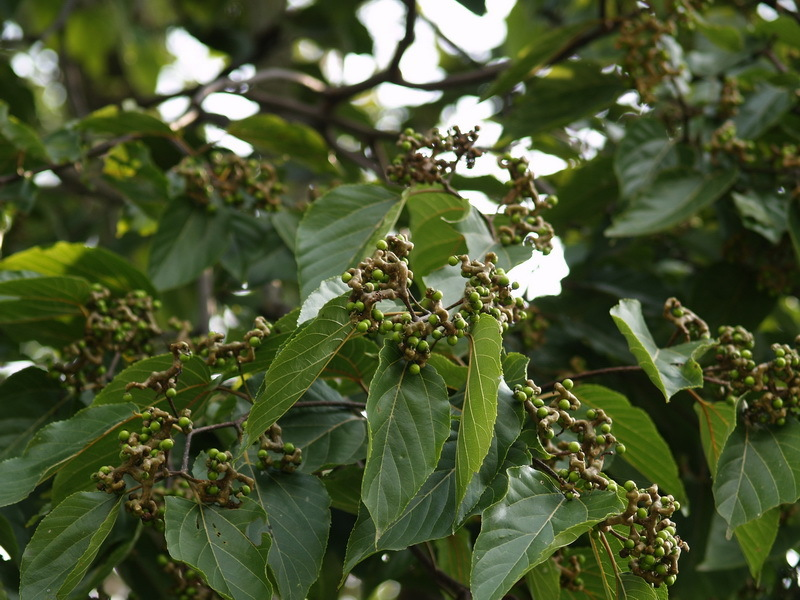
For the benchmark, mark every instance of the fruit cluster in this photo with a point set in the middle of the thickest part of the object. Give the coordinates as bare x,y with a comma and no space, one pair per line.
144,454
522,221
651,542
570,567
220,355
271,442
116,327
188,583
219,485
770,391
421,161
690,326
593,441
385,276
246,184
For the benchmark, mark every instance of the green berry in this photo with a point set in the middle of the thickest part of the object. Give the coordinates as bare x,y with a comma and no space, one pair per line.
155,426
423,346
245,489
359,306
166,444
433,319
377,315
254,341
630,485
437,295
641,512
453,261
288,448
564,404
212,453
670,579
363,326
621,449
591,414
452,340
574,447
414,368
213,475
382,245
184,422
262,453
127,397
346,277
629,544
212,490
377,274
171,392
542,412
124,435
749,380
568,384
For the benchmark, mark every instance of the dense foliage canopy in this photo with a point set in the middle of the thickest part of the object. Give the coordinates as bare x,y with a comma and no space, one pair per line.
386,412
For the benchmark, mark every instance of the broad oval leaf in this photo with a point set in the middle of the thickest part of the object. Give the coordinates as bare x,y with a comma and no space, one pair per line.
757,470
647,451
756,539
674,196
65,544
480,401
670,369
717,421
229,547
297,365
299,520
55,444
645,150
340,229
433,217
531,522
408,419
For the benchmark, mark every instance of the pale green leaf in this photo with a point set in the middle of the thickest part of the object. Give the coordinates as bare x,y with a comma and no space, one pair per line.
670,369
297,365
756,539
408,419
229,547
65,544
433,216
480,401
757,470
527,526
717,421
340,229
647,451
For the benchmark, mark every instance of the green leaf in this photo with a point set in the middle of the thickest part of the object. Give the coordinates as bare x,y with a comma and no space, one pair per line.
527,526
433,215
328,289
480,402
299,520
256,253
297,365
65,544
670,369
328,435
31,399
606,565
633,587
761,110
113,121
276,136
642,154
647,451
756,539
408,419
544,581
717,421
55,444
454,555
192,385
536,55
765,213
96,265
177,255
340,229
794,228
569,92
672,198
45,309
356,361
229,547
455,376
757,470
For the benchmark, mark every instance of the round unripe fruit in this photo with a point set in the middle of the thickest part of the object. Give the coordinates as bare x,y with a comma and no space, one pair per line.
414,368
437,295
377,315
568,384
605,428
254,341
670,579
381,245
629,544
212,453
452,340
213,490
503,280
213,475
677,505
423,346
641,512
363,326
453,261
127,397
433,319
245,489
171,392
630,485
621,449
749,380
542,412
288,448
184,422
155,426
124,435
564,404
359,306
262,453
346,277
574,447
166,444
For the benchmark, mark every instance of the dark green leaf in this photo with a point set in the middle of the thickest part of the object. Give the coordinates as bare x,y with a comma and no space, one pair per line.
764,213
298,364
356,361
674,196
647,451
527,526
670,369
757,470
642,154
113,121
454,555
341,229
96,265
297,506
278,137
633,587
408,418
544,581
433,217
761,110
189,239
480,402
55,444
717,421
229,547
756,539
65,544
